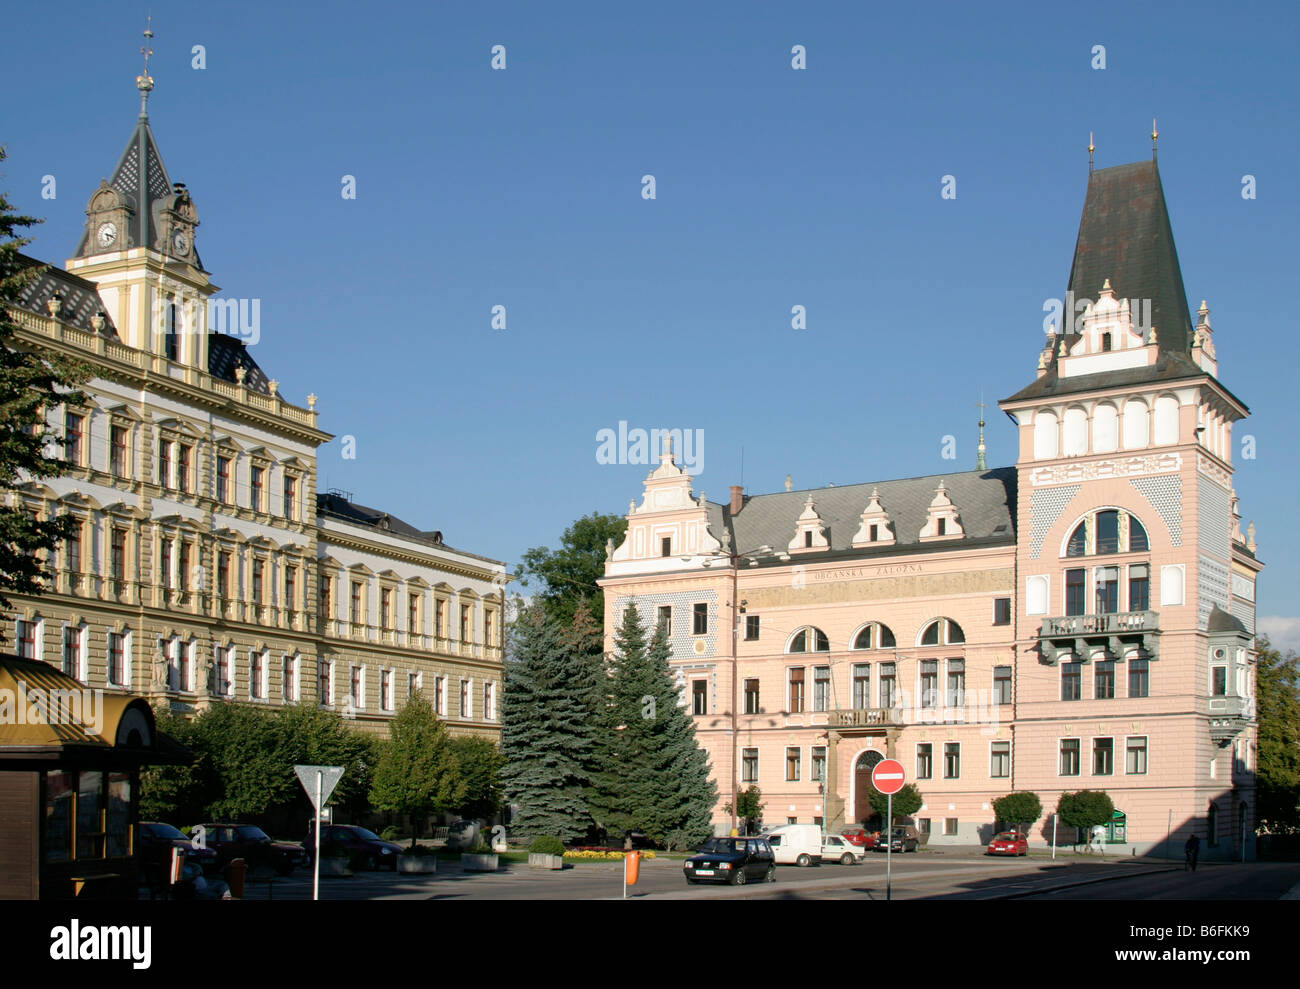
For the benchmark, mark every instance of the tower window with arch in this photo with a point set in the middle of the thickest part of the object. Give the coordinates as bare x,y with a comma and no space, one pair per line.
874,635
942,632
1107,530
809,639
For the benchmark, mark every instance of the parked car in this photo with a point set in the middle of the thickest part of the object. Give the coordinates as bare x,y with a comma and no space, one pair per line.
194,885
861,837
356,841
253,845
796,844
1009,843
837,848
463,834
156,841
905,838
731,860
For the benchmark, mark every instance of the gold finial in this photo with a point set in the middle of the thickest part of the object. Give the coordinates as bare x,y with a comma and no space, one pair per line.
1154,134
1091,148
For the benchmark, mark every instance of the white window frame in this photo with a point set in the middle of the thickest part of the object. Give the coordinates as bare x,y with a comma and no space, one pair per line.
1007,743
1146,755
82,634
386,672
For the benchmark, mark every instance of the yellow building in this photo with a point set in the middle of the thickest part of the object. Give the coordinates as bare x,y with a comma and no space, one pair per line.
206,566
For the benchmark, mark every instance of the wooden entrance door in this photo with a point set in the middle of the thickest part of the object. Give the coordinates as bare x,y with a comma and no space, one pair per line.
862,785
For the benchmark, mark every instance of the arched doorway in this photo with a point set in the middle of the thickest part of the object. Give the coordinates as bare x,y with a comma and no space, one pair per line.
862,785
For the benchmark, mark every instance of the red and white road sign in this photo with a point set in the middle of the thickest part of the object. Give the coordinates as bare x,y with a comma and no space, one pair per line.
887,777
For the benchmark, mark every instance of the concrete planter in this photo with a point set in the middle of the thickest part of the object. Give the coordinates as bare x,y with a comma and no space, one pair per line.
471,862
417,865
334,867
536,860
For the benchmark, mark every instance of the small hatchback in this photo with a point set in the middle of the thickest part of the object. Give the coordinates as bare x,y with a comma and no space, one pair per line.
837,848
1008,843
902,839
731,860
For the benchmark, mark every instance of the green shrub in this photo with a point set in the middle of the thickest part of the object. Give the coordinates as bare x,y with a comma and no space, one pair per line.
677,841
546,845
420,851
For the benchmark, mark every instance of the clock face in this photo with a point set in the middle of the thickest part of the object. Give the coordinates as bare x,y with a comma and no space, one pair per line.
107,234
180,242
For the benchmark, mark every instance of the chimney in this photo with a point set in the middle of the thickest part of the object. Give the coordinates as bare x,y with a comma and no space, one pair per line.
737,498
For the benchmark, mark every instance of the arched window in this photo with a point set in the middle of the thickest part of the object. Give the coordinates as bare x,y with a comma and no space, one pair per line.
874,636
942,631
1046,430
1166,420
1105,428
1074,434
1106,524
1137,536
1078,544
1137,425
803,642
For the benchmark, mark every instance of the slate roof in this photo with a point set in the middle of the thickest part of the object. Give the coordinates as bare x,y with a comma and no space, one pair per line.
1223,621
341,507
1125,235
225,353
985,501
80,297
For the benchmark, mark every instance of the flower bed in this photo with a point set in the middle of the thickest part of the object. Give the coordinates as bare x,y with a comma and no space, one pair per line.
601,854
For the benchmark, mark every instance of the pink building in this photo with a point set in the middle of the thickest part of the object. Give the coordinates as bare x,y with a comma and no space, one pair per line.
1083,619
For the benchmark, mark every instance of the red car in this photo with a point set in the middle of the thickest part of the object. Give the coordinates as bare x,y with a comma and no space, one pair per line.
1009,843
860,837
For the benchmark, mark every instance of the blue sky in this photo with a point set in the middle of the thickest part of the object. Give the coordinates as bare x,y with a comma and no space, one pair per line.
775,188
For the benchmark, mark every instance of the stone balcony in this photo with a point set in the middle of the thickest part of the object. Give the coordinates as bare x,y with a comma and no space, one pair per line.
1080,638
866,717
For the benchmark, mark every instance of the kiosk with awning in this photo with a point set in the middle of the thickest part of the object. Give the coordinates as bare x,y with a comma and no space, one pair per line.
70,759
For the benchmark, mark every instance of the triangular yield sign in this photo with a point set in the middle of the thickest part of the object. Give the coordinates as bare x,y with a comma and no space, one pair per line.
329,778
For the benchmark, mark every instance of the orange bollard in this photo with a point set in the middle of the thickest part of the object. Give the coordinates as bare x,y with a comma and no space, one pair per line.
631,868
235,873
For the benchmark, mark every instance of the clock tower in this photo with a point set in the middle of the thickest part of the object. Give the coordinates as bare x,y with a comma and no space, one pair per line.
138,247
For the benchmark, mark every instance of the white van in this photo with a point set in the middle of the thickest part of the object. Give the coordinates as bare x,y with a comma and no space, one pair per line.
796,844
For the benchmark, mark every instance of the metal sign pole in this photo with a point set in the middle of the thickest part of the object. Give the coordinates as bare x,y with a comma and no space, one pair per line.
889,848
315,882
1054,819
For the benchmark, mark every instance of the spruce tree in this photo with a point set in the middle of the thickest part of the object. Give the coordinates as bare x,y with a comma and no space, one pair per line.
546,734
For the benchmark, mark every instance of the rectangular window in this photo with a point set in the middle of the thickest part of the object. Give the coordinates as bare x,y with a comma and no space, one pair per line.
1103,681
792,756
861,685
923,825
751,627
929,682
25,633
1071,681
464,699
1107,590
819,763
1139,587
385,690
440,619
1218,681
73,434
796,690
356,689
1103,756
259,573
289,679
1069,757
440,695
950,826
413,624
956,682
324,672
385,608
1076,592
116,659
487,627
117,553
117,451
751,696
256,672
749,765
1000,760
1135,759
464,623
290,497
255,488
924,761
699,696
165,463
165,563
700,619
72,651
821,688
325,605
183,565
291,588
1002,684
887,683
73,546
356,613
1139,678
1001,611
665,618
490,701
951,760
223,480
666,546
184,454
223,575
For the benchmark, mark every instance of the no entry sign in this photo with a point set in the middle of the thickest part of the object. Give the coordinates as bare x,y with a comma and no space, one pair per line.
887,777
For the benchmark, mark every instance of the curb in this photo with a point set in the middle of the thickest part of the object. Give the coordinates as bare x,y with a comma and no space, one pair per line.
1082,882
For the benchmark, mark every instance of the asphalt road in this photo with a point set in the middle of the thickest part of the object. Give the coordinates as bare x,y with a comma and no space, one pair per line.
925,876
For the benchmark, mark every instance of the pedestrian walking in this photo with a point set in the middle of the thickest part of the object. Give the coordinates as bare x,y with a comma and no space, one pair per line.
1191,850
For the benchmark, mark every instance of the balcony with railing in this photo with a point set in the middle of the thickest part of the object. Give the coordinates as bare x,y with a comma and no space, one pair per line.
1116,634
866,717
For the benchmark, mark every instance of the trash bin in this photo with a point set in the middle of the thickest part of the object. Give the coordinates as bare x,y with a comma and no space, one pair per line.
235,872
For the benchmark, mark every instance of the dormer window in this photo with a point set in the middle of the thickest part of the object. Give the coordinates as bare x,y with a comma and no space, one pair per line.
1105,342
807,539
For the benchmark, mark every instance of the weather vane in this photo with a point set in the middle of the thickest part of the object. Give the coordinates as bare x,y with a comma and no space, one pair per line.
144,82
